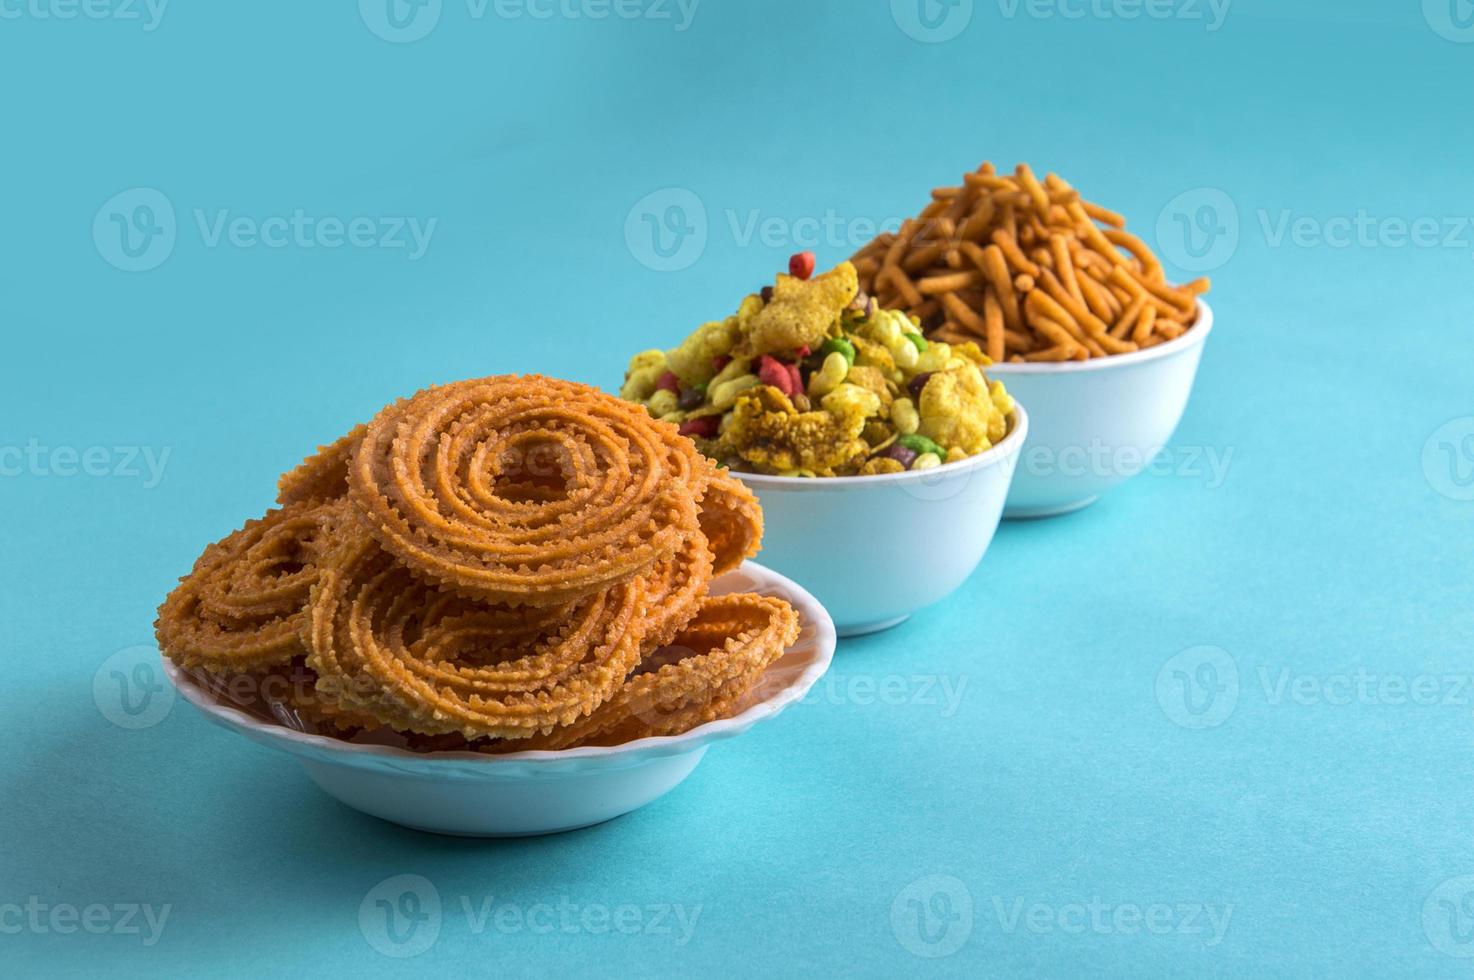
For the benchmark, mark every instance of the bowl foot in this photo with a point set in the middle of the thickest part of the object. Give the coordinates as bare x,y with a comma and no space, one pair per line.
468,800
1048,510
498,835
860,629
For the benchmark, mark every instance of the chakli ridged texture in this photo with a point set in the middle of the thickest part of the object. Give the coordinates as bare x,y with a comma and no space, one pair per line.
243,606
732,521
488,563
526,490
431,661
323,476
706,670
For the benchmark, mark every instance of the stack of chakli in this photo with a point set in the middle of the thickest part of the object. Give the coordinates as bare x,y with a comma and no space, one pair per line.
498,564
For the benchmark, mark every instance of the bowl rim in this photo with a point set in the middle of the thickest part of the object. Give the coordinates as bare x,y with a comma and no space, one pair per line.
1194,335
824,641
999,452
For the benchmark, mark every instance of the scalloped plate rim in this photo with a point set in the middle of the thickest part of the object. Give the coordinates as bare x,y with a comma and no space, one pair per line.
321,748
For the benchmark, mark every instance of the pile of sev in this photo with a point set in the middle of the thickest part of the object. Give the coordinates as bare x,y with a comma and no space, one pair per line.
1029,269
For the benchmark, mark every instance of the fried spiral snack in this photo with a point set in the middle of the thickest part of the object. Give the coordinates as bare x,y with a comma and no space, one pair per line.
489,563
711,665
431,661
674,590
290,693
526,490
243,606
732,521
323,476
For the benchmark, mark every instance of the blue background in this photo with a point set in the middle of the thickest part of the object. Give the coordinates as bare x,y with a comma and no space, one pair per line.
1062,777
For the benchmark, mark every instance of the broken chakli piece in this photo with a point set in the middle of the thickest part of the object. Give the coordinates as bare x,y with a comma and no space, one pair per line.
499,564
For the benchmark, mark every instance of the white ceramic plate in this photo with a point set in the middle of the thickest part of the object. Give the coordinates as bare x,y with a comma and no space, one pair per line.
525,793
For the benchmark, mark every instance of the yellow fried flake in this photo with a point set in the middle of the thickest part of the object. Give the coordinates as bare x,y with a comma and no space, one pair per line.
772,436
645,369
869,353
801,311
872,379
958,410
881,464
693,361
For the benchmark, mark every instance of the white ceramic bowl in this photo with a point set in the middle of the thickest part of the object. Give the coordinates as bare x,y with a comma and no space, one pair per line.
1096,423
526,793
875,549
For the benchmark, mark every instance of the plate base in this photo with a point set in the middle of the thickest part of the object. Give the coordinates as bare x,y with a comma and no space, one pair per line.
861,629
1048,510
486,836
471,807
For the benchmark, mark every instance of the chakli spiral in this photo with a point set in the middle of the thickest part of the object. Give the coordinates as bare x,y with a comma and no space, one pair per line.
507,561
